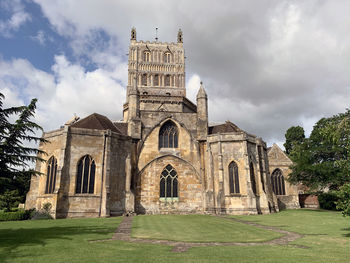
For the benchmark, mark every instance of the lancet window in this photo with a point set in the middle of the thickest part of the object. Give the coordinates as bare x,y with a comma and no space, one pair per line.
85,175
51,175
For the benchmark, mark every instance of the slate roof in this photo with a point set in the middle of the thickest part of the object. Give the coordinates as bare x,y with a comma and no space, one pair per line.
224,128
122,127
96,121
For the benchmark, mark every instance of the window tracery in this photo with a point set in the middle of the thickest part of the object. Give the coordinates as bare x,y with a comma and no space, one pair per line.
51,175
85,182
168,135
233,178
168,183
278,184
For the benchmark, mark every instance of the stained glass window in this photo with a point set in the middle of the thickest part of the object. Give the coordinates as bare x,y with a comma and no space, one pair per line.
233,178
168,183
278,184
51,175
85,176
168,135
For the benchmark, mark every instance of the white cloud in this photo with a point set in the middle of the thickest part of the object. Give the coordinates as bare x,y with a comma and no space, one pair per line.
266,65
70,89
17,18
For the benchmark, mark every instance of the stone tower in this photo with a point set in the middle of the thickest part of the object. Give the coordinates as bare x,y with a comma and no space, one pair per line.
157,69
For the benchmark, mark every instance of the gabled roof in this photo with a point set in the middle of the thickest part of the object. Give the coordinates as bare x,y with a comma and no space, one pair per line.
224,128
276,154
96,121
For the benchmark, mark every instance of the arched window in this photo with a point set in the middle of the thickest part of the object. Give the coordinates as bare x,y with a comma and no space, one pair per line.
168,135
168,183
167,57
144,80
51,175
85,175
252,177
277,180
146,56
233,178
156,80
167,80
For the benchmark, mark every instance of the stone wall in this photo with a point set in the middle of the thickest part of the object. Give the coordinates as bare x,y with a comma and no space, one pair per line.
151,162
222,150
279,160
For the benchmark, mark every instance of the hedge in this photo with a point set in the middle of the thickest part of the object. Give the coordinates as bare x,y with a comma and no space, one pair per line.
15,216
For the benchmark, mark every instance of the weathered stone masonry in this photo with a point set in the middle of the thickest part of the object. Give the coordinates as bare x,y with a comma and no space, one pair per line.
164,157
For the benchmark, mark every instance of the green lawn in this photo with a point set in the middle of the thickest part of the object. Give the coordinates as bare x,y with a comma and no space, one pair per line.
197,228
327,236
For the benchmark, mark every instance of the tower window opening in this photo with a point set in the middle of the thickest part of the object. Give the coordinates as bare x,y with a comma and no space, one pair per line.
146,56
167,57
144,80
156,80
167,80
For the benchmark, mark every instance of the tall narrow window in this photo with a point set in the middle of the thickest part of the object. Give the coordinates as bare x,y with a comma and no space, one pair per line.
168,135
252,177
85,176
146,56
167,57
144,80
51,175
168,183
278,184
233,178
156,80
167,80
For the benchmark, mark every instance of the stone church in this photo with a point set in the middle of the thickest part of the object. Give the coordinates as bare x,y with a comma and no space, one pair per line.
163,157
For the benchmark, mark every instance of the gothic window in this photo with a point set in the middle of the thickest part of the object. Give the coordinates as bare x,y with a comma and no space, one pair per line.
85,176
156,80
278,185
168,183
146,56
252,177
233,178
167,80
168,135
144,80
51,175
167,57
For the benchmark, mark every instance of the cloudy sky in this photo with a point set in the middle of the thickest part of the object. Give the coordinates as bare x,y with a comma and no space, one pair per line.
266,65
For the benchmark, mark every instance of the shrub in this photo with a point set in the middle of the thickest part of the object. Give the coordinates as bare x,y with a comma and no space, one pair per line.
15,216
328,200
343,203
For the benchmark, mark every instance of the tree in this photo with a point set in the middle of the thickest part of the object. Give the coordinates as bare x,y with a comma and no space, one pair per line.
323,160
295,135
15,157
343,202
